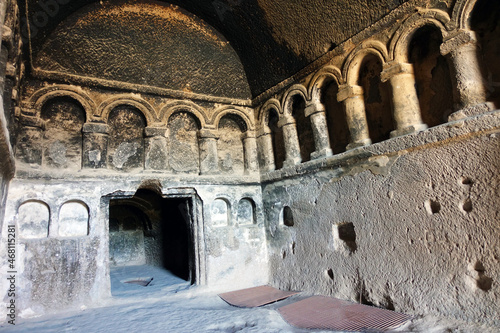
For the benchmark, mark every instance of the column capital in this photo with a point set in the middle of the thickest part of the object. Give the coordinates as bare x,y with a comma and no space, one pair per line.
347,91
313,107
32,121
458,39
248,135
286,120
208,134
95,128
394,68
152,131
264,130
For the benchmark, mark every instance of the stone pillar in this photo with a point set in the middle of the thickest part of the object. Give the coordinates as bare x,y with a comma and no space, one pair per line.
404,98
250,152
95,145
29,140
316,113
291,140
469,89
209,161
156,148
354,104
266,151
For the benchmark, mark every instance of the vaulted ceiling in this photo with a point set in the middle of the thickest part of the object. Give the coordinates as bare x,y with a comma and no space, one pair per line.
272,39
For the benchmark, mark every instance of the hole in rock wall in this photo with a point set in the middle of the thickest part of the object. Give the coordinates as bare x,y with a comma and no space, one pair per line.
148,229
432,206
329,273
287,216
479,279
467,205
344,236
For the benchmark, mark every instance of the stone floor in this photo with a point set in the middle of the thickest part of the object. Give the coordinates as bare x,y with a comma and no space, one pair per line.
170,304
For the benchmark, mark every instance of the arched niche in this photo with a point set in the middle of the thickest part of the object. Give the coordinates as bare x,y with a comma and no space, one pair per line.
220,213
33,219
73,219
62,139
277,138
304,128
485,21
126,138
183,142
432,75
246,212
338,129
230,144
377,98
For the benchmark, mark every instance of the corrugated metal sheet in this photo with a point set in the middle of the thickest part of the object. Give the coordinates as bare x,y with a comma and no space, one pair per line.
256,296
319,312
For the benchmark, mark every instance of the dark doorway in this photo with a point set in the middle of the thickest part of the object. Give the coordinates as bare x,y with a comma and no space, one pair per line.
148,229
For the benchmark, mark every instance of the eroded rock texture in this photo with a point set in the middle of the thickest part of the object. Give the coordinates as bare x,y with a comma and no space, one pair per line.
345,148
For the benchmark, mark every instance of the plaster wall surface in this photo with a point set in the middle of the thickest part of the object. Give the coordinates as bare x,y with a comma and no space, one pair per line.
409,224
56,272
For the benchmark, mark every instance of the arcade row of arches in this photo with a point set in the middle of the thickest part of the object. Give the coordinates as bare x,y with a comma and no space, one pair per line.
433,66
221,212
36,220
124,133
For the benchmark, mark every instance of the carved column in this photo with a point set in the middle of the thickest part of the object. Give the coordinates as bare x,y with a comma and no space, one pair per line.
209,161
354,104
95,145
469,89
266,153
404,98
291,140
156,148
250,152
29,140
316,112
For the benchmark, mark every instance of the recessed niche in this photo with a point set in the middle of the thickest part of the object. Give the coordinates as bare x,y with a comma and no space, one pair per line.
287,216
246,212
73,219
432,206
466,181
467,205
329,273
344,236
33,219
220,213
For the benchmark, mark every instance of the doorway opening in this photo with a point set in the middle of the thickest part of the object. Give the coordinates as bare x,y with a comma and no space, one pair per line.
150,230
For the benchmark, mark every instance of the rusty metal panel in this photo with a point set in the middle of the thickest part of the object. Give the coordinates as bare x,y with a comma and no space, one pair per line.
319,312
256,296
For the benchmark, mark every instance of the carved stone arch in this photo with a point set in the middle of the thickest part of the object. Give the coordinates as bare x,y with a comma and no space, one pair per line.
287,100
246,125
462,12
263,117
355,59
398,48
143,106
42,96
317,82
178,106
